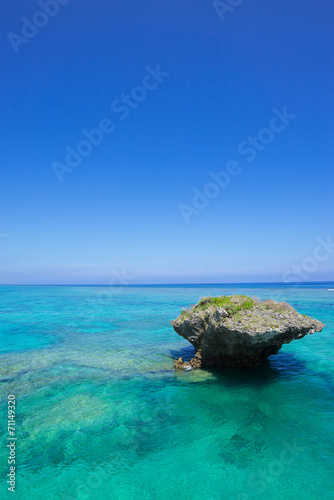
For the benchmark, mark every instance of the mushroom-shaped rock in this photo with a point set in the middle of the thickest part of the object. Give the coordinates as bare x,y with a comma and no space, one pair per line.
239,331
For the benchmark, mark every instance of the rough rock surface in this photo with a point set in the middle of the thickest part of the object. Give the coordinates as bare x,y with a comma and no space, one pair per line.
239,331
196,362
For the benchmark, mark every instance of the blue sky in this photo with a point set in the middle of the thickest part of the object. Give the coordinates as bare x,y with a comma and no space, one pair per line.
121,211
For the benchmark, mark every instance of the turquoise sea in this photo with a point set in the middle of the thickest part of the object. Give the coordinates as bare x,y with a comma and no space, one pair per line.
101,414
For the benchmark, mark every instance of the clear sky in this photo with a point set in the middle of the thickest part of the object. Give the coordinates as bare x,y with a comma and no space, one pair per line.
181,91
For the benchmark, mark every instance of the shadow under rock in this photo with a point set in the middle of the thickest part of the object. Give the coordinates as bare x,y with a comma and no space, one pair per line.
281,365
186,353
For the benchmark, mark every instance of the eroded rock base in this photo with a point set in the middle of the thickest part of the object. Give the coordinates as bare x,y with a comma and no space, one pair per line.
193,364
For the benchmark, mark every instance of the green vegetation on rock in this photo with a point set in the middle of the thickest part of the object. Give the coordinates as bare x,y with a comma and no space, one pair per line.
232,304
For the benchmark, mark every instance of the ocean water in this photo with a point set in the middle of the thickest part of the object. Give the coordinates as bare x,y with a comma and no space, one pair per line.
101,414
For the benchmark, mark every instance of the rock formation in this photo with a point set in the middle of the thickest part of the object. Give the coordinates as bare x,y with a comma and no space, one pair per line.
239,331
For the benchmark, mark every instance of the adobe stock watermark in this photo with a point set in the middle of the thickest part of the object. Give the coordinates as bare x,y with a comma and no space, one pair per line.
259,481
251,147
30,27
301,272
121,107
119,279
222,7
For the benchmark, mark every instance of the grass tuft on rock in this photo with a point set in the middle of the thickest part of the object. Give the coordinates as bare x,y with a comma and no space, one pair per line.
235,305
232,304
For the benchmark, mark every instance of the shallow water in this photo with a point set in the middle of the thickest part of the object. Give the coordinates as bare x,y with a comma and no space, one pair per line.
101,414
